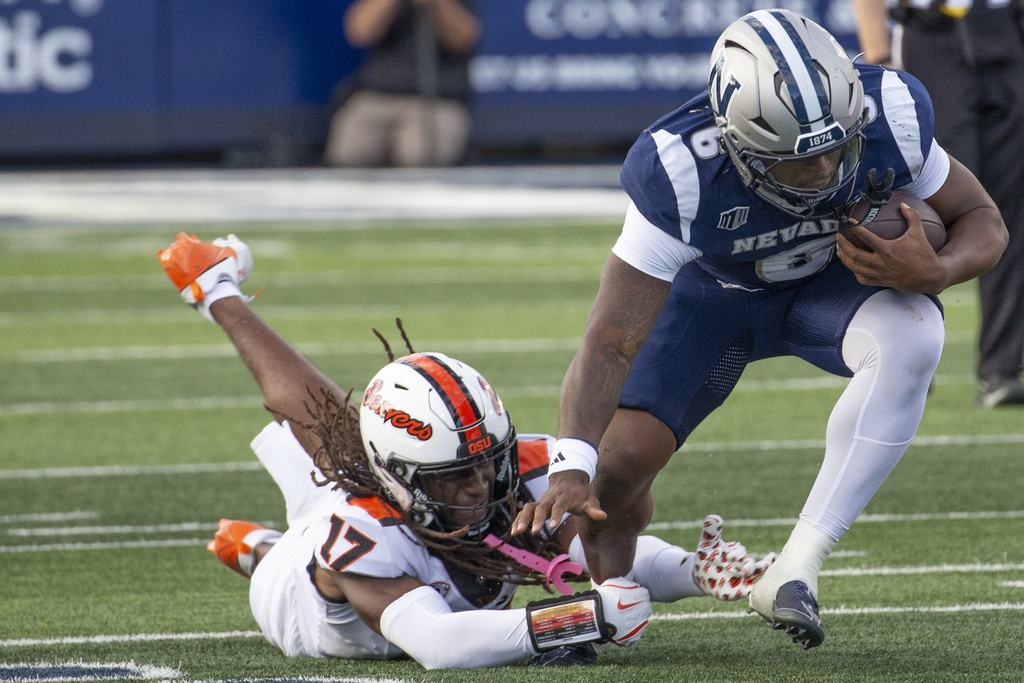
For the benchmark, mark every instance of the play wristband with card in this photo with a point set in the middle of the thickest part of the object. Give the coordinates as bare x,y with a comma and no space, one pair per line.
566,621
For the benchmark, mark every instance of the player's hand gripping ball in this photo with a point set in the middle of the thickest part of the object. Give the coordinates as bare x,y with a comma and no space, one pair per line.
725,570
890,223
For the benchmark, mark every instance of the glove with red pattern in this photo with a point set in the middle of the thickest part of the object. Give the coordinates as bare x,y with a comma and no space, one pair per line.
722,569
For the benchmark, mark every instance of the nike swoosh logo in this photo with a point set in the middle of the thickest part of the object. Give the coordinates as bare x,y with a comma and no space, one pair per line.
632,604
810,610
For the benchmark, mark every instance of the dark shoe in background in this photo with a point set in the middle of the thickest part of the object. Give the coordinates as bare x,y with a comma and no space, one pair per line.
1000,391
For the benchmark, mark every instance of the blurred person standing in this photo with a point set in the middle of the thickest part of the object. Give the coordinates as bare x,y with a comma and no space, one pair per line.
970,57
407,105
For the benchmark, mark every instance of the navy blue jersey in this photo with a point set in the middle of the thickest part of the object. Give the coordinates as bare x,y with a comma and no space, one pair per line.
682,181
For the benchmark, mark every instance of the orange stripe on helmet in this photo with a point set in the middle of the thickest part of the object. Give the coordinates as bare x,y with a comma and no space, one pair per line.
461,404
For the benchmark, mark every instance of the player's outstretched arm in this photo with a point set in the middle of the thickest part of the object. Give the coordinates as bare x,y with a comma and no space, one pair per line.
208,276
285,376
417,619
627,305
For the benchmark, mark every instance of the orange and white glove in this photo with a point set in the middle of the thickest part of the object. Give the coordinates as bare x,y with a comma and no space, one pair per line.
206,272
725,570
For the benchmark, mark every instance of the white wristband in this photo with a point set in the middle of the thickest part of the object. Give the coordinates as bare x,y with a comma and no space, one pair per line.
573,454
222,290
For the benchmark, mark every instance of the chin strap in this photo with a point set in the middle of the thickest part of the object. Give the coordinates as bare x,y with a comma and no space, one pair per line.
877,195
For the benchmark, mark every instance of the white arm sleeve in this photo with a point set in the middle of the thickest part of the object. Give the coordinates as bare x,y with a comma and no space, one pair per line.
424,626
664,569
650,250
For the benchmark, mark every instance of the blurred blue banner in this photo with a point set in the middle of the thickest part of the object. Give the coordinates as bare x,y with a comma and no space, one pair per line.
151,77
602,70
129,77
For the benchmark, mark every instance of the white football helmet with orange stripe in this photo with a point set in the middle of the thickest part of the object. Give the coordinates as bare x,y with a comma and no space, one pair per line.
426,418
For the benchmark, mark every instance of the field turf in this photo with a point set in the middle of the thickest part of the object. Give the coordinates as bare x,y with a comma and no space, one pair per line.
125,420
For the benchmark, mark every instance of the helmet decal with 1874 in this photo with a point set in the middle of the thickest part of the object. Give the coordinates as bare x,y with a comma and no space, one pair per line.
790,105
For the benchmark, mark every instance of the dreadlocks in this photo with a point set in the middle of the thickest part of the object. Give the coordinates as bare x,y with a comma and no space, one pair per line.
387,347
341,459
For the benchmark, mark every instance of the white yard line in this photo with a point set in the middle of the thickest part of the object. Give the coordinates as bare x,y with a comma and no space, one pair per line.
248,466
232,402
131,470
936,569
870,518
125,545
938,440
316,278
129,638
48,672
130,406
784,522
119,529
177,315
87,354
48,517
189,351
836,611
843,610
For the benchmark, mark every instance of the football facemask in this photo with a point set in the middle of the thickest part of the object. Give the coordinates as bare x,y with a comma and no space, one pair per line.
433,429
442,491
807,185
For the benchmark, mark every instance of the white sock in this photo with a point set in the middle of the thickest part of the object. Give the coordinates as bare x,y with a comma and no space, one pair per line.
247,561
800,560
663,569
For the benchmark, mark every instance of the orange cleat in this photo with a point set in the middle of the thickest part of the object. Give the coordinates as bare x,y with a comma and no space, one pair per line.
230,546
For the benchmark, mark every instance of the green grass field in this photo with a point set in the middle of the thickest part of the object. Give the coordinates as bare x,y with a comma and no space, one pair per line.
125,420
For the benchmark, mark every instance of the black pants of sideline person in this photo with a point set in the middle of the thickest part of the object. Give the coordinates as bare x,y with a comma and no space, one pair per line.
979,120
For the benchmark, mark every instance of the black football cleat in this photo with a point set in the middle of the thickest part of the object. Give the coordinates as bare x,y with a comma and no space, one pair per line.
795,611
566,655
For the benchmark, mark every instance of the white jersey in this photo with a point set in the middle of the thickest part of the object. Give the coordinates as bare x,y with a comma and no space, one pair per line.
330,529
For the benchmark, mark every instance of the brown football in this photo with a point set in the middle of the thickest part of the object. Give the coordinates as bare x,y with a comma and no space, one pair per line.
889,223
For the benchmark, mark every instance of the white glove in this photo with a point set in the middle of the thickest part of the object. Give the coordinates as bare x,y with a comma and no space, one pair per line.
243,254
724,570
205,272
627,607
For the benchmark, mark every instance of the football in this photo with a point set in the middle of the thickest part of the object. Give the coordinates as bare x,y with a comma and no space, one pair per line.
889,223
